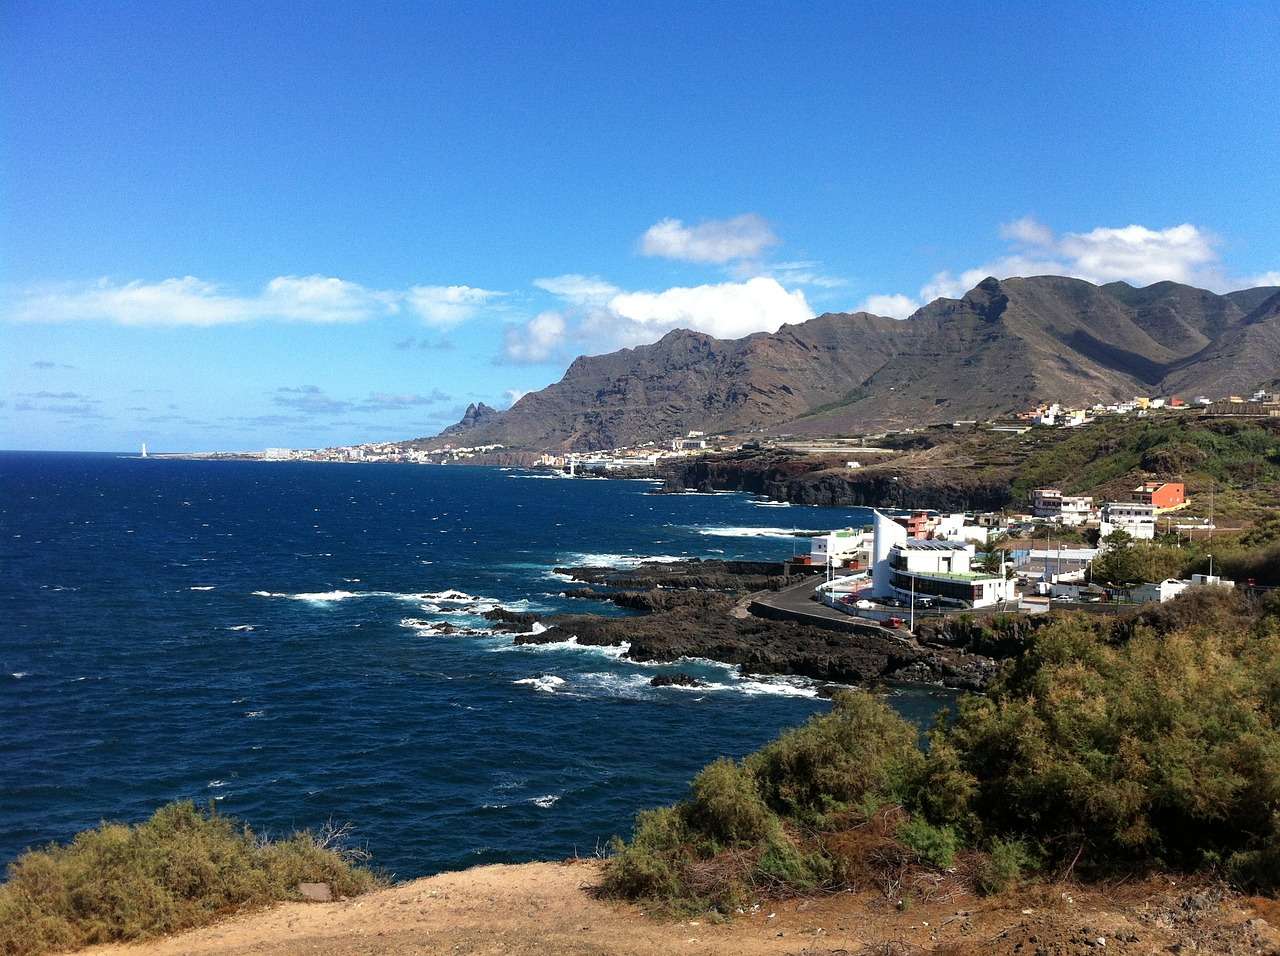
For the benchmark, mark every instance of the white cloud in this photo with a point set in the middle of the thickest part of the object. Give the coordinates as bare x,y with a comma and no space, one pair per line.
1136,254
725,310
514,395
448,305
805,272
579,289
1027,230
715,241
538,340
1264,279
192,301
897,305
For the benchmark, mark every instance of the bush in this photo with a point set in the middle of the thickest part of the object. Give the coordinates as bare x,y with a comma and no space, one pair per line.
1164,748
725,805
936,846
649,867
183,867
1004,866
860,749
784,863
1150,739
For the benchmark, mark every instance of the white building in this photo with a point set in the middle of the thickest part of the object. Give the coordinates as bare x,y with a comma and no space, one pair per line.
1165,590
1052,504
1134,518
275,454
958,527
848,545
904,567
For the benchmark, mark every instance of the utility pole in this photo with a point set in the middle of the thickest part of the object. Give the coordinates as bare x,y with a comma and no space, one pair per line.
912,625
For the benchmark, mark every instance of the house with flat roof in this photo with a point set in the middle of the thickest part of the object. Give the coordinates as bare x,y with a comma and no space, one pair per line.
1163,495
903,567
1134,518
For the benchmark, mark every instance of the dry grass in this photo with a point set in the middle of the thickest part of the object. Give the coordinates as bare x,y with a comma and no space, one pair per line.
184,867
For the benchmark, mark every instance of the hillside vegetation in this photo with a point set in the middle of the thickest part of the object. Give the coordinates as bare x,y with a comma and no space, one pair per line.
1110,746
183,867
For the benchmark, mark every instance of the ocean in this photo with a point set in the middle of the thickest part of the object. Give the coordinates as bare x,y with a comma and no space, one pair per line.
265,636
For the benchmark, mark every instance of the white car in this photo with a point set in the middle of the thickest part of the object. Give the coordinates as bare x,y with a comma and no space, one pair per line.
865,605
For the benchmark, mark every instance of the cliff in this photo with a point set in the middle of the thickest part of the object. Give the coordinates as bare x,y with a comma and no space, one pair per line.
1004,346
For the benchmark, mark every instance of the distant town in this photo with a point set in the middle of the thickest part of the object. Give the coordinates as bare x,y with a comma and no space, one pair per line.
647,455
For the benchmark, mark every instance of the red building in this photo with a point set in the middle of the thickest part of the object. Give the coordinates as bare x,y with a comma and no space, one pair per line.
1163,495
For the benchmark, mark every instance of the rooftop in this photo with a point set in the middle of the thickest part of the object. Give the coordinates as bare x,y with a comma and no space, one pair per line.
926,544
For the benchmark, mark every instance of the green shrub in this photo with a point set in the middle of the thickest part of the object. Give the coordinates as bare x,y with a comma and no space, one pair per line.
936,846
1004,866
1163,747
725,805
784,863
836,760
183,867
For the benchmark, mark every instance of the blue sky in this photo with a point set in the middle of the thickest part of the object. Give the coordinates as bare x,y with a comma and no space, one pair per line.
240,225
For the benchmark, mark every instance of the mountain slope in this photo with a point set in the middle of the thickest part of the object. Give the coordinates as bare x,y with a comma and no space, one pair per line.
1004,346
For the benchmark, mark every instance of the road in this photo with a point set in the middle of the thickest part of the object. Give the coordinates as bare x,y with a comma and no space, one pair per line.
796,602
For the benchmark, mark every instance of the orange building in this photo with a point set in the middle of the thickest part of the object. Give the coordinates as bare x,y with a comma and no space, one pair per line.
1163,495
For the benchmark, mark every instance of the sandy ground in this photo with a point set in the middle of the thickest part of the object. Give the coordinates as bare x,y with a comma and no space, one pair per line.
549,908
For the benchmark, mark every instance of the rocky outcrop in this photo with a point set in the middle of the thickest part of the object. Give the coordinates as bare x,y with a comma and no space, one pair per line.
694,575
679,679
689,622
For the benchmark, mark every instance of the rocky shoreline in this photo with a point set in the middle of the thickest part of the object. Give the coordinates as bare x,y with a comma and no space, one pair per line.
698,609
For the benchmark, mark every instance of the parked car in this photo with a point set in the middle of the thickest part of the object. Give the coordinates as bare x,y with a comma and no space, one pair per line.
895,622
865,605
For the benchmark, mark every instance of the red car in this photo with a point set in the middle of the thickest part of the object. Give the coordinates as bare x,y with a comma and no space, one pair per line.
895,622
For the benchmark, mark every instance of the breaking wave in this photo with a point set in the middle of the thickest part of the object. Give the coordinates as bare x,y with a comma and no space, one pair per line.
547,683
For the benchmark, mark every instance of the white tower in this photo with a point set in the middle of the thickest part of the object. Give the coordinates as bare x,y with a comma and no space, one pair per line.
144,449
887,533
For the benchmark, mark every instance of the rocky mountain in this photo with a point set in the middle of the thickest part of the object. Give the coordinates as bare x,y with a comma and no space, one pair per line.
1006,345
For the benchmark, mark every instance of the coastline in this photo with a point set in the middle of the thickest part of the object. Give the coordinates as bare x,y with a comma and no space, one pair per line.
703,610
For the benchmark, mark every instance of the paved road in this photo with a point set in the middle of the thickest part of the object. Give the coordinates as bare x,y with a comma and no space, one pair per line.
796,602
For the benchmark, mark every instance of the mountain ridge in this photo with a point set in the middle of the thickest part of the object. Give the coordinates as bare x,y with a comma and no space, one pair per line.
1005,345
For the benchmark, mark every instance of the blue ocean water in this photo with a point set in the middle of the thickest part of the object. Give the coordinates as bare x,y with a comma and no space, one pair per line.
266,636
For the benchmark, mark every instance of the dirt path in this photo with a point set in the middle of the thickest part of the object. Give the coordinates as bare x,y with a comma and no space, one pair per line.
547,908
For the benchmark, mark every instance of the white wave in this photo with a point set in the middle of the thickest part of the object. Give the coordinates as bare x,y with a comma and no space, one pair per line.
433,602
18,675
591,559
772,504
546,800
751,532
253,713
215,784
547,683
614,652
241,627
322,597
426,628
201,587
779,687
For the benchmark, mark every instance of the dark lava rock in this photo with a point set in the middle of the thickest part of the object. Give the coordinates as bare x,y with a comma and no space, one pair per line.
702,626
505,621
676,680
